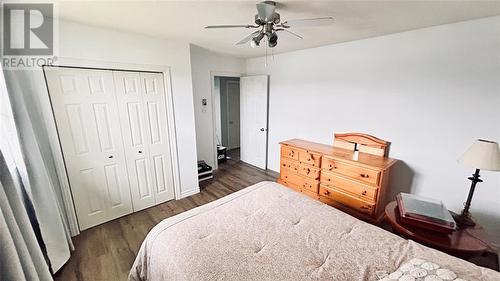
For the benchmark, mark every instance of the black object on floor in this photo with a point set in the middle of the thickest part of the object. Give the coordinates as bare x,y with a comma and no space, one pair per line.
221,154
205,172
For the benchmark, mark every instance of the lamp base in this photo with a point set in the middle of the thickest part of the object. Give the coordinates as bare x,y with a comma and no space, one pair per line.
463,220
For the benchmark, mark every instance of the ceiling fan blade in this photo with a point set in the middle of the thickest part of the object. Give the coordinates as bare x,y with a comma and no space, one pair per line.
289,32
309,22
230,26
265,10
248,38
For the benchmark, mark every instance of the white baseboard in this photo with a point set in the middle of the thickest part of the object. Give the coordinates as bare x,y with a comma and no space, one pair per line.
189,192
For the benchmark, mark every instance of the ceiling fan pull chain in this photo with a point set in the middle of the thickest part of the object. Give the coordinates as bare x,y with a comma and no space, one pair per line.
265,41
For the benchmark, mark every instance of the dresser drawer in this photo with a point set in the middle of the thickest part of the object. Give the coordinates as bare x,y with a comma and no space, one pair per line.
311,194
356,172
310,185
299,181
308,171
289,185
310,158
289,164
290,152
355,188
288,175
346,199
292,186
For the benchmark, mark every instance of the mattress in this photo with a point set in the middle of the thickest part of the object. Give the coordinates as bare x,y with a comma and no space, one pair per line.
269,232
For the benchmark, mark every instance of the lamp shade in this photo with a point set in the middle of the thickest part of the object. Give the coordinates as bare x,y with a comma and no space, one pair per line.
482,154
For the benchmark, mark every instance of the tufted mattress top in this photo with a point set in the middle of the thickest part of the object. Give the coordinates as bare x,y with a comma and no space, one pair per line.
269,232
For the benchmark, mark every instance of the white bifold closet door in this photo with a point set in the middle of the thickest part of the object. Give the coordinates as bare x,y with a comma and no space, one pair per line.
114,136
141,102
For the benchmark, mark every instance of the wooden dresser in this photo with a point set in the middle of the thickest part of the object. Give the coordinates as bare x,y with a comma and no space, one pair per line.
351,175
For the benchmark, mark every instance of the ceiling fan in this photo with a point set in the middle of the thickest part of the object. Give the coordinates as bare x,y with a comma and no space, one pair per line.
269,24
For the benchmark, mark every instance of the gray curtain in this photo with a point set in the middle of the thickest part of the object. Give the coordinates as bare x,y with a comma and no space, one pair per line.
38,173
21,257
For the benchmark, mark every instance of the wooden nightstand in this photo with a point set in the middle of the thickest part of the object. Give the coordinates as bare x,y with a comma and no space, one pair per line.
463,243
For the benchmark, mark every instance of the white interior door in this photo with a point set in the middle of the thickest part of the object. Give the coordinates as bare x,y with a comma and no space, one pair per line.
141,101
233,114
253,120
86,115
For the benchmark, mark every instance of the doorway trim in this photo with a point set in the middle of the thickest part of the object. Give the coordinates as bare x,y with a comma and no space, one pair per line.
213,74
54,142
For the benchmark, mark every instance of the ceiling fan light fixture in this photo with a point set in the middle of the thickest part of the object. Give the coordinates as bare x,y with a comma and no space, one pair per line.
258,21
254,43
269,23
272,39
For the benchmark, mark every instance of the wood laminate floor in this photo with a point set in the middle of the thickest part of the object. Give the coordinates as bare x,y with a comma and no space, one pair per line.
106,252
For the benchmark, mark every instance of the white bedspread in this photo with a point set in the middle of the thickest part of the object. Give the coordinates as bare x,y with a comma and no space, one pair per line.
269,232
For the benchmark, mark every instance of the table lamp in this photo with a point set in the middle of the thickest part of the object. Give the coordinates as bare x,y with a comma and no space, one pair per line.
482,155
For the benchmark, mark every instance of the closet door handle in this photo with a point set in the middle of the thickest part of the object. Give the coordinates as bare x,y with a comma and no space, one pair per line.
140,151
111,156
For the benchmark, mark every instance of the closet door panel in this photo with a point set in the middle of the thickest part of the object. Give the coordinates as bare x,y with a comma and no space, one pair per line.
157,135
133,117
69,94
86,114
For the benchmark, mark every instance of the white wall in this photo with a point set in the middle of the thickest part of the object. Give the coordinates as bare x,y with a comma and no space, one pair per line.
431,92
79,41
203,63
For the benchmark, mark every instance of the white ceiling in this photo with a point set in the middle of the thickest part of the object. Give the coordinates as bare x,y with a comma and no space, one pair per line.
353,19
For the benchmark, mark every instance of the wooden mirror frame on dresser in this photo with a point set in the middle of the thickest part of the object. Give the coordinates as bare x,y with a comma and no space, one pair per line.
351,175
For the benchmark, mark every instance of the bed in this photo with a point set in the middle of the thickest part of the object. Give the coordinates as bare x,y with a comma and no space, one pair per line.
269,232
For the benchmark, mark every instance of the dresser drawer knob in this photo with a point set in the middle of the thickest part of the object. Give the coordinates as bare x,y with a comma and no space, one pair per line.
326,192
364,192
308,170
365,176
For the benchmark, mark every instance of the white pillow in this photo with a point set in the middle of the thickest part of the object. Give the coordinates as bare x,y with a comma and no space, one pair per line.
419,270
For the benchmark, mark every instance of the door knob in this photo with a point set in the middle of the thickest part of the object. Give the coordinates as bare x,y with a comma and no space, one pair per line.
262,129
140,151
